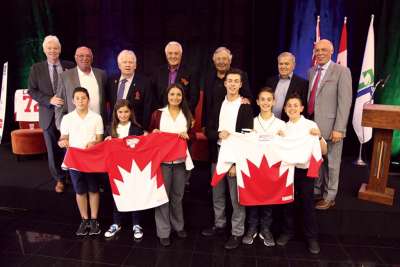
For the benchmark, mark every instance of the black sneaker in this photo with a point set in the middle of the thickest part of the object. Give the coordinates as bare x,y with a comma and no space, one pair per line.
83,228
165,242
283,239
248,238
94,227
213,231
233,242
267,237
313,246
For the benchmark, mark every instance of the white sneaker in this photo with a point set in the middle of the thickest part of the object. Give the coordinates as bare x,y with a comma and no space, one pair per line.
114,228
137,231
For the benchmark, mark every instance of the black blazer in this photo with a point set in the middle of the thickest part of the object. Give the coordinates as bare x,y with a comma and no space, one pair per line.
41,89
139,95
133,130
297,85
244,121
214,93
185,77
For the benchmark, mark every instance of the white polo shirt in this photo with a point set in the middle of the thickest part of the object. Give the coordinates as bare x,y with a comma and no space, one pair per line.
89,82
81,131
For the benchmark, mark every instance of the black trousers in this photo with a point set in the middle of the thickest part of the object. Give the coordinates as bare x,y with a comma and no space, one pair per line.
304,200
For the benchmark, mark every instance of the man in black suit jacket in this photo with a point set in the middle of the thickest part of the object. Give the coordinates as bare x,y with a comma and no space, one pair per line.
43,80
174,72
213,85
135,89
286,83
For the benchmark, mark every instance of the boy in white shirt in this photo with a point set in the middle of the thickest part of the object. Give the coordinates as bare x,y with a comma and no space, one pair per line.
83,128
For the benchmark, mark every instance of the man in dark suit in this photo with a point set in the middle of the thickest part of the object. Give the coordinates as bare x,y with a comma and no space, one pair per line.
213,82
43,80
285,84
131,86
330,95
174,72
84,75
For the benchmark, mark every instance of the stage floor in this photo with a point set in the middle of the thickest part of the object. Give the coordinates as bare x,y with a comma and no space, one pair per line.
40,231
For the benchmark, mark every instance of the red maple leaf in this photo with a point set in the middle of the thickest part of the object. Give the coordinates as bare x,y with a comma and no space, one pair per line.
265,186
313,168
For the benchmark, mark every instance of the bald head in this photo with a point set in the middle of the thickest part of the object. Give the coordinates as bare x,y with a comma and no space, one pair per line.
323,51
84,58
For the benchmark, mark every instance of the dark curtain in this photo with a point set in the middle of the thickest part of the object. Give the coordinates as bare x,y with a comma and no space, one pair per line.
255,31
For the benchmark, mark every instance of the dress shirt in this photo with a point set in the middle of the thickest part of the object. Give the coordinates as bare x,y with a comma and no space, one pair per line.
89,82
280,95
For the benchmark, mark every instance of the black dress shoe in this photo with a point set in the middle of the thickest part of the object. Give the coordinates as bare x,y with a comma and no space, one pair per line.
181,234
283,239
165,242
213,231
313,246
233,242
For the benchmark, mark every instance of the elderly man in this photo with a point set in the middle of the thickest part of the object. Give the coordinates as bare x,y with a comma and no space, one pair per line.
43,80
174,72
214,89
329,102
84,75
286,83
131,86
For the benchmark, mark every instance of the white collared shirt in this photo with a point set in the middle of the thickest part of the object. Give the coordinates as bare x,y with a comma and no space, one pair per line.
89,82
81,131
170,125
127,85
270,126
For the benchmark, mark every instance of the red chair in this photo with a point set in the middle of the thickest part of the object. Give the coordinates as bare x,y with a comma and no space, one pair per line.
28,140
199,150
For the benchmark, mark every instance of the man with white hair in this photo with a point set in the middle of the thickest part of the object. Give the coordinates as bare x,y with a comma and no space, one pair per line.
213,82
174,72
131,86
42,86
286,83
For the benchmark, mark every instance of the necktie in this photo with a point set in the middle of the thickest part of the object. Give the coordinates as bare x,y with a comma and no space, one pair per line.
121,89
55,78
311,101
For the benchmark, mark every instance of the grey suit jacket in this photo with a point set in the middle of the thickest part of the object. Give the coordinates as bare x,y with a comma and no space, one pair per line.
333,99
41,89
68,81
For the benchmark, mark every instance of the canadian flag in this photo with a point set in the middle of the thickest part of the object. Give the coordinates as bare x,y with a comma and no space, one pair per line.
265,168
342,55
133,166
317,39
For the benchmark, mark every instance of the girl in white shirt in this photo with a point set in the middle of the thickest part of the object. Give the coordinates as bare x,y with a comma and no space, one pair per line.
265,124
173,118
124,124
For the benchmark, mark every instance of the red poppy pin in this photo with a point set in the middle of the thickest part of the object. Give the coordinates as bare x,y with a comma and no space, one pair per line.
184,81
137,95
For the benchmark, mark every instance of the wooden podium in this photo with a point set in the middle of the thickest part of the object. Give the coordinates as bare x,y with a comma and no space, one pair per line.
384,119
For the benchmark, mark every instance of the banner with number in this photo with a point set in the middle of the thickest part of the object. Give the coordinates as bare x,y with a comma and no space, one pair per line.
25,108
3,99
